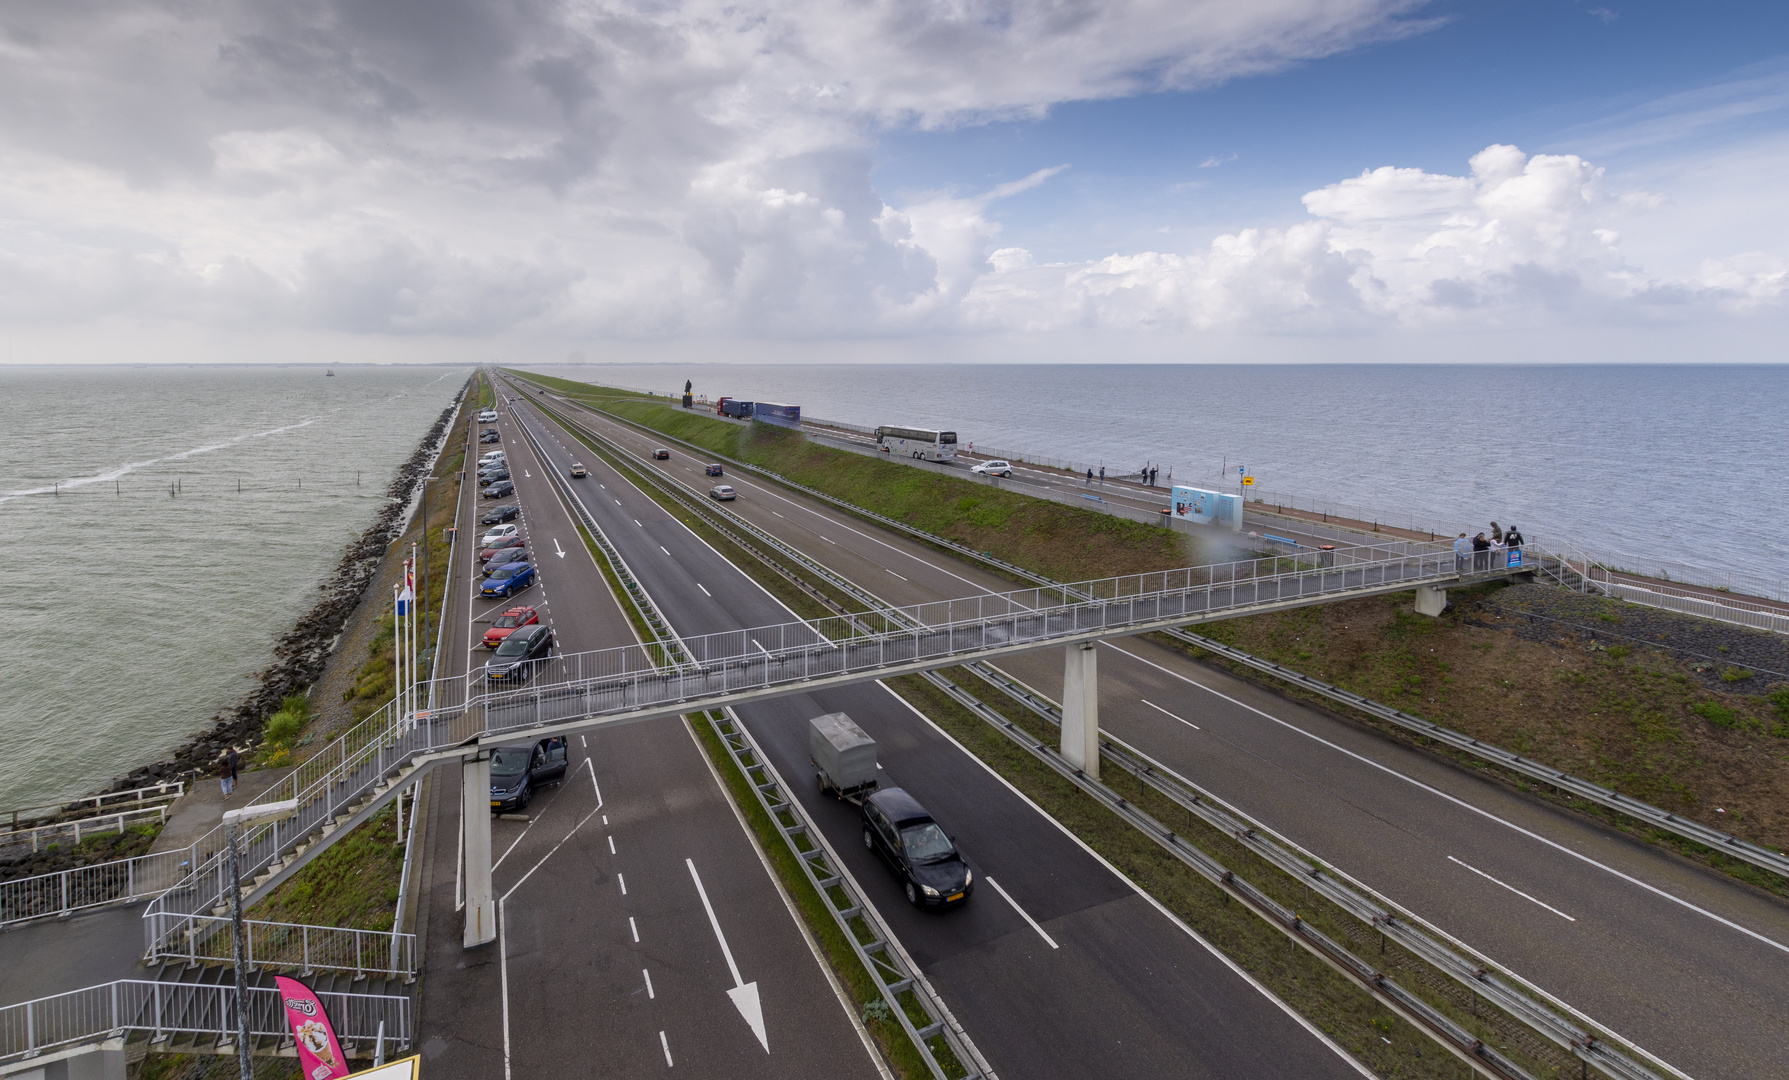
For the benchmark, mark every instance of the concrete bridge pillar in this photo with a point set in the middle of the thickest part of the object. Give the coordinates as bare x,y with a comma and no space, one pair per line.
475,826
1080,708
1430,600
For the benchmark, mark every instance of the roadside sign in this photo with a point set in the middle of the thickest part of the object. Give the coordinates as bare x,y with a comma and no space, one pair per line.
1248,481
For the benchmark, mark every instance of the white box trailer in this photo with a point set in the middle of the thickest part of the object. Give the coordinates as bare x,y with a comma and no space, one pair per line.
844,756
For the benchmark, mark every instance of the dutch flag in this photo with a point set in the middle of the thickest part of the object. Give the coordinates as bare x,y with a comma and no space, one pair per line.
405,599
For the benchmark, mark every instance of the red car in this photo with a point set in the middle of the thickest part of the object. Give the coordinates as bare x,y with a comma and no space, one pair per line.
506,624
498,545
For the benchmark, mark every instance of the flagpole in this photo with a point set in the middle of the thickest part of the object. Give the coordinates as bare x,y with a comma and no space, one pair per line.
397,645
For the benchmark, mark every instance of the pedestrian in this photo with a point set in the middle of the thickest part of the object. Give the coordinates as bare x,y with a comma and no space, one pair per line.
228,772
1512,538
1102,476
1481,553
1089,476
1153,470
1497,553
1496,534
1462,547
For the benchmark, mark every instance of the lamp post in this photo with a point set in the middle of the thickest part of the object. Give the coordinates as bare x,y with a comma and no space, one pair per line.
233,819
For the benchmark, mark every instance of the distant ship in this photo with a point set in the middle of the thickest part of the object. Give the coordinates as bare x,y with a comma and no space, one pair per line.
329,374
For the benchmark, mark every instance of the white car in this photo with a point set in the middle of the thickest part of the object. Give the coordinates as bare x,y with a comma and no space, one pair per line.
495,455
994,468
499,533
489,416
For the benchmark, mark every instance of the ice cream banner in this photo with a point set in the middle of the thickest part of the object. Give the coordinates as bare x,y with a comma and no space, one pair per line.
319,1055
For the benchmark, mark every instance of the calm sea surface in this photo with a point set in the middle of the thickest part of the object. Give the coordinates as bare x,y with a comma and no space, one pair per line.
133,615
1679,463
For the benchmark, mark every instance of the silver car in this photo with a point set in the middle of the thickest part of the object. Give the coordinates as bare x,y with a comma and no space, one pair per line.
723,493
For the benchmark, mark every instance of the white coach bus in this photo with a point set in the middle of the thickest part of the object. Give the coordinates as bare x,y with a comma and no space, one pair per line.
917,443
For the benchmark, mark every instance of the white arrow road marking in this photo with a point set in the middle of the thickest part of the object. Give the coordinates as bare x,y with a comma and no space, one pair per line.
557,549
744,994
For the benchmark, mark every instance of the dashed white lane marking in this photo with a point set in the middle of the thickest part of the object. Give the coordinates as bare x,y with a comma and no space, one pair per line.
1166,713
649,994
582,741
761,648
830,540
892,572
605,819
635,929
636,520
611,845
704,589
1023,914
1511,888
661,547
667,1046
623,882
779,515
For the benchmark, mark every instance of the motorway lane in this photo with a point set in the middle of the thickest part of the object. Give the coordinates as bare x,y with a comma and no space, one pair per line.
1128,992
1662,974
564,989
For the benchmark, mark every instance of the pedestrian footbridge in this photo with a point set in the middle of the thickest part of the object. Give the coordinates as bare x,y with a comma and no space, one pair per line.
352,778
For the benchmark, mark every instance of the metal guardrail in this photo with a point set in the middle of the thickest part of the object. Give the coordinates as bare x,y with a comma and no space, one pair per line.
1529,1004
169,1008
211,939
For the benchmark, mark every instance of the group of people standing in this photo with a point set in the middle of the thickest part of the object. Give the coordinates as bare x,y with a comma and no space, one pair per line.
1487,552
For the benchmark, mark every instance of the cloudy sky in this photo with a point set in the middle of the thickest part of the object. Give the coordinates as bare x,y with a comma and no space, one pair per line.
877,179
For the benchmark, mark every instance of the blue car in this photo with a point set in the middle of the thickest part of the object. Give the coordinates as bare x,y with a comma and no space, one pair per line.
508,579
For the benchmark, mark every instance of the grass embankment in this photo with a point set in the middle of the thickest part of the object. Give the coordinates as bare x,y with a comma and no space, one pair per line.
1064,542
1628,716
352,883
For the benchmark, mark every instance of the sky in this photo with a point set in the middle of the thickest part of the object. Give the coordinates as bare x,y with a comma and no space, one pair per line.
878,180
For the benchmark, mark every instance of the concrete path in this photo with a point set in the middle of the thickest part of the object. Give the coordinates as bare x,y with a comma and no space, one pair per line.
202,808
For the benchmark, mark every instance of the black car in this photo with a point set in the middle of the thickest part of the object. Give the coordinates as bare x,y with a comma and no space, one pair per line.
503,556
661,454
490,437
517,772
520,654
497,515
498,490
714,469
897,828
492,475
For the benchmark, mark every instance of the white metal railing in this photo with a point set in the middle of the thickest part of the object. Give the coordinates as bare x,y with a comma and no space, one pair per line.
89,805
169,1008
198,939
37,837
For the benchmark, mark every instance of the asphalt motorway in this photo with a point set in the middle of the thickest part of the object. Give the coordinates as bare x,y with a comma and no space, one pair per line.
1104,984
1653,946
608,961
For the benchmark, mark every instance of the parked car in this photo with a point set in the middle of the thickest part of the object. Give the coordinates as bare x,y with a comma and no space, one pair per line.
520,654
498,514
489,416
491,476
490,437
507,580
993,468
503,558
501,543
713,468
916,848
495,457
722,493
503,624
517,772
499,490
661,454
577,471
498,533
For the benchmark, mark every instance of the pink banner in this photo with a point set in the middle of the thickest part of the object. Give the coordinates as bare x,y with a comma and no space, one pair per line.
319,1055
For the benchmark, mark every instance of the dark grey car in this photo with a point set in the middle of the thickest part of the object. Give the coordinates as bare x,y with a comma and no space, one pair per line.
897,828
517,772
521,653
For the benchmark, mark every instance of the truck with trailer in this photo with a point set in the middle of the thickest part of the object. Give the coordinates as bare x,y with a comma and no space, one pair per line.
769,412
739,410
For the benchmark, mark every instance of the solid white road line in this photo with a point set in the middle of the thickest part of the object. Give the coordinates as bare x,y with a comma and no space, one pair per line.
648,975
503,977
1463,804
1023,914
704,589
1165,712
1511,888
